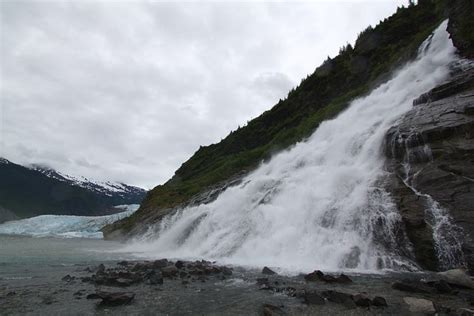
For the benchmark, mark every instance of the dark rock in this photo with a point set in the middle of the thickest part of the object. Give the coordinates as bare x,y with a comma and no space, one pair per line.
272,310
379,301
115,298
289,290
328,279
261,281
313,298
100,269
169,271
123,263
127,275
11,293
319,276
267,270
314,276
339,297
343,279
144,266
435,139
458,278
226,271
121,282
442,287
412,287
153,277
68,278
93,296
362,300
267,287
179,264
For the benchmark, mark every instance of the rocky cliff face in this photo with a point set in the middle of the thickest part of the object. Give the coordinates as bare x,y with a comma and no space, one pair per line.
431,154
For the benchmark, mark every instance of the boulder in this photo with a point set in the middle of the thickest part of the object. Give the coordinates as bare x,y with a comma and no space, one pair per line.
362,300
179,264
169,271
457,277
122,282
314,276
268,271
272,310
411,286
379,301
261,281
100,269
343,279
68,278
420,305
442,287
161,263
339,297
118,298
226,271
313,298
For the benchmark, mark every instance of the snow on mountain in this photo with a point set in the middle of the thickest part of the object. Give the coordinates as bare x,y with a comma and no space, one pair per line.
104,187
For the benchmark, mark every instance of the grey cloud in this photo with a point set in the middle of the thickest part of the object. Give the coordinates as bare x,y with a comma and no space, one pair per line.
127,91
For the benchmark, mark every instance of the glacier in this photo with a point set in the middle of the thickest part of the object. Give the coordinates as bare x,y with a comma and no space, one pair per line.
65,226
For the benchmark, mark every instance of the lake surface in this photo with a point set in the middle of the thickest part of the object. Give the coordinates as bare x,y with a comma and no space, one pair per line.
32,271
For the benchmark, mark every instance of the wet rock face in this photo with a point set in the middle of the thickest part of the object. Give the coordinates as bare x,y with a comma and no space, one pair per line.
431,151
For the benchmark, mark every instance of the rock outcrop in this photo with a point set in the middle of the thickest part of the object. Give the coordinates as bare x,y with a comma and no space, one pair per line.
431,154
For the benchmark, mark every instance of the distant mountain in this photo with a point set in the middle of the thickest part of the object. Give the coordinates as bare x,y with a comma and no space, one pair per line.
27,191
112,189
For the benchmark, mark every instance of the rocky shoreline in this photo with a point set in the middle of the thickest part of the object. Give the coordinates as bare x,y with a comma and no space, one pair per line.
203,287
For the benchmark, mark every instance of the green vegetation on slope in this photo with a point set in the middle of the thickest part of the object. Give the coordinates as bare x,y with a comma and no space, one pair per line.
322,95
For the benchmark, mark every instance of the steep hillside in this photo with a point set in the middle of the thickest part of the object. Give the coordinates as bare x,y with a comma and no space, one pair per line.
26,192
353,73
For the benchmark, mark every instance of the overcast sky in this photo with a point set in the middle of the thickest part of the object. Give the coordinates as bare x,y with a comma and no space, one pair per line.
128,91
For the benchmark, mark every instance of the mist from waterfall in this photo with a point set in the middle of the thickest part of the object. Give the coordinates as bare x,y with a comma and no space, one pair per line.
319,204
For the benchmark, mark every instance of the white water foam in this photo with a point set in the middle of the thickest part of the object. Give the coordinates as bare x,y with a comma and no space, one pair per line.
65,226
317,205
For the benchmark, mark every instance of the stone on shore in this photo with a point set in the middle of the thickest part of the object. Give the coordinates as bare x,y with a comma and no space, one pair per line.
113,298
268,271
272,310
457,277
362,300
379,301
420,305
313,298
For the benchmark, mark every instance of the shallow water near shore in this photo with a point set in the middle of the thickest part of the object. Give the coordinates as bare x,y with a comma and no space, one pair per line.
32,272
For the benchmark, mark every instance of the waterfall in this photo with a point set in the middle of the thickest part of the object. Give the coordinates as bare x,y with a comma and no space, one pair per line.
320,204
447,236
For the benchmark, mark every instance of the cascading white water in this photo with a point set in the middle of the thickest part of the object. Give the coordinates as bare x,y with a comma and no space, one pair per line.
317,205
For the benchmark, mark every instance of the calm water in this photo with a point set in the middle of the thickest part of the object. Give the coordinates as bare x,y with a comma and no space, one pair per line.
27,257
